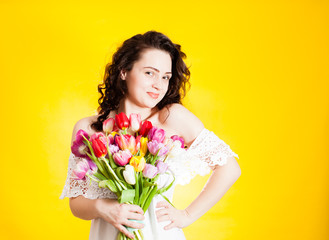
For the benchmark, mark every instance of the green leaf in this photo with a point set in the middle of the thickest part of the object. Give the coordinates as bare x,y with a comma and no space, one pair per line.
118,171
149,198
136,200
127,195
112,163
109,184
167,200
99,176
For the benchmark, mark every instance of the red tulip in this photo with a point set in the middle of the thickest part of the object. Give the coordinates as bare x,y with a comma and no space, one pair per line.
99,147
122,121
100,136
146,126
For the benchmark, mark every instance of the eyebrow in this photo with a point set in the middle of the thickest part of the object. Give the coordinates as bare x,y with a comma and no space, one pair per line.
156,69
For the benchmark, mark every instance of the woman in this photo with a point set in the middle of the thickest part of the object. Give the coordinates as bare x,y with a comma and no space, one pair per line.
148,76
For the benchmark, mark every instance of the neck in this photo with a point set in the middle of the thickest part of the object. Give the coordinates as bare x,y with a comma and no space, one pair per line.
128,107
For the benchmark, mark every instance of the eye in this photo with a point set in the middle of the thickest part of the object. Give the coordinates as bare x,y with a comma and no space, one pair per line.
150,73
166,77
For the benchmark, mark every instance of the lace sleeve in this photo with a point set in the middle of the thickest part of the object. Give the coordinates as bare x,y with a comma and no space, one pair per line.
206,150
88,189
210,149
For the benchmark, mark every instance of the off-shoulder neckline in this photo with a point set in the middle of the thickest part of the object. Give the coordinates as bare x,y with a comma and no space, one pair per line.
204,130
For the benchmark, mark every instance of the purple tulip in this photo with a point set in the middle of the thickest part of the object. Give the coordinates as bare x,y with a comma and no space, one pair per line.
92,166
157,134
150,171
113,148
176,137
154,147
78,148
161,166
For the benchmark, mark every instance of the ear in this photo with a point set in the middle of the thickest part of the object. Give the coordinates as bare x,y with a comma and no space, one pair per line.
123,74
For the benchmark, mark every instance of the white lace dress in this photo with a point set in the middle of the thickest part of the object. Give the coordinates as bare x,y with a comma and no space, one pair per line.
206,150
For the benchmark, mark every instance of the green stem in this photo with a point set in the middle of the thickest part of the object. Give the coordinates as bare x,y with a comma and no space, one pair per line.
92,178
113,173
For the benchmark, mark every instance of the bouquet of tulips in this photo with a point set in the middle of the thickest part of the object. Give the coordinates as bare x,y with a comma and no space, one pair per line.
128,158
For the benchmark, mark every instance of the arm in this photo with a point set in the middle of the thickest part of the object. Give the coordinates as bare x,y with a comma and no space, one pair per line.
222,178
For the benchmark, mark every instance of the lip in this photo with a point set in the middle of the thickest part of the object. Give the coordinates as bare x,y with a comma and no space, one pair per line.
153,95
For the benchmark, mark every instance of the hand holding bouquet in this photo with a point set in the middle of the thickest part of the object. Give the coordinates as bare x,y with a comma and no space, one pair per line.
128,158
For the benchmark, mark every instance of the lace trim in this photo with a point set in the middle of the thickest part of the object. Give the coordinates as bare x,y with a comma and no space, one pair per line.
206,150
87,188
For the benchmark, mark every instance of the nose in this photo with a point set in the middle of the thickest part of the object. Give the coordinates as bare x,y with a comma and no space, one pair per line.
157,83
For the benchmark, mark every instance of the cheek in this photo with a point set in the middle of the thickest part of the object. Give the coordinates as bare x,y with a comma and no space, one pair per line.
166,87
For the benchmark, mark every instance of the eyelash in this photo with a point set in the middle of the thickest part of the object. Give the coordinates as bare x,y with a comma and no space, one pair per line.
148,73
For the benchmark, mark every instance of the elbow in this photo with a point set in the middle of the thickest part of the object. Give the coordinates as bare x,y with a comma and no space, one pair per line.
237,172
73,206
71,203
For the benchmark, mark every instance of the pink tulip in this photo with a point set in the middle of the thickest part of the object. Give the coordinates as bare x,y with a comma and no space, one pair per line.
131,144
138,142
122,157
161,166
176,137
154,147
157,134
78,147
108,125
81,170
126,142
110,139
121,141
135,122
150,171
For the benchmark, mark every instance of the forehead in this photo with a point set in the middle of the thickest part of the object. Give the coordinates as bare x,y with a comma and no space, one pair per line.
155,58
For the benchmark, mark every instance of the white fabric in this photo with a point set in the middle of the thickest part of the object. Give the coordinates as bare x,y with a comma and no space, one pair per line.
206,150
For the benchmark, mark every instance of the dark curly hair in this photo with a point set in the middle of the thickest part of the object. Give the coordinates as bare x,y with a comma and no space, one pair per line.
113,89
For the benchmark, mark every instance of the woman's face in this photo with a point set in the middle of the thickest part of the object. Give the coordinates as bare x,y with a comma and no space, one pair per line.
148,80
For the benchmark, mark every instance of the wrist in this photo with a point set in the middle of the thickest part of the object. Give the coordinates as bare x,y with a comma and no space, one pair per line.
98,206
188,216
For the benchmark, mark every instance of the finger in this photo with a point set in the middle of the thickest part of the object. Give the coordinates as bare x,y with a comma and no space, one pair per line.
135,216
169,226
133,224
164,218
162,204
161,212
124,230
135,208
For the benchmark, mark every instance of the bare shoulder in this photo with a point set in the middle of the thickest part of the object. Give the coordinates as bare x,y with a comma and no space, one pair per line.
84,124
184,122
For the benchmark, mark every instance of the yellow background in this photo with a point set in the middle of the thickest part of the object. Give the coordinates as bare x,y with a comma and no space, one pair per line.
259,81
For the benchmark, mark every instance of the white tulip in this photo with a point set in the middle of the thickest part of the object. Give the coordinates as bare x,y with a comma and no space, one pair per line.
129,174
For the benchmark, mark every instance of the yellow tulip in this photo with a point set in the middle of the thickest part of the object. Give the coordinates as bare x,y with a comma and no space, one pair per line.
138,162
143,148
